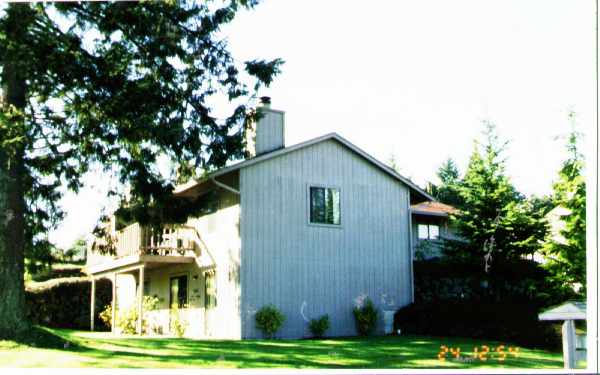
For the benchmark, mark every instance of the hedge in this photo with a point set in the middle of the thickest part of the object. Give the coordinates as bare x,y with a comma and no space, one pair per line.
522,281
460,299
65,302
507,322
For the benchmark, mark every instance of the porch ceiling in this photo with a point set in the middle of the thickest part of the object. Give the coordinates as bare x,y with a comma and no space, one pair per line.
132,262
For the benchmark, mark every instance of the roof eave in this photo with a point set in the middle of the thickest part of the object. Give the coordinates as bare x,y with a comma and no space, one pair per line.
283,151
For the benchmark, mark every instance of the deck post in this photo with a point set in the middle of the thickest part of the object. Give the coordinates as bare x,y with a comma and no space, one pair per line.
140,300
93,304
113,320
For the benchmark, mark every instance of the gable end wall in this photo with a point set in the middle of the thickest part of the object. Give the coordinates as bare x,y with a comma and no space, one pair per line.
307,271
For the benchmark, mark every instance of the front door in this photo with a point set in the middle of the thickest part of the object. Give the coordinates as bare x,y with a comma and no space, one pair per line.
177,299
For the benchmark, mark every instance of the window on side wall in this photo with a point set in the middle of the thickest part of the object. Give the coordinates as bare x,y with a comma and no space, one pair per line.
324,205
210,289
428,231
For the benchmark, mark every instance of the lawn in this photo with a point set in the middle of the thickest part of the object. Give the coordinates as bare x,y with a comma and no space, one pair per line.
68,348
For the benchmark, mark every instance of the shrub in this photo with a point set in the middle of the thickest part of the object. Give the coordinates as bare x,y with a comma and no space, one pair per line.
127,319
178,324
365,317
65,302
269,320
319,326
106,316
510,322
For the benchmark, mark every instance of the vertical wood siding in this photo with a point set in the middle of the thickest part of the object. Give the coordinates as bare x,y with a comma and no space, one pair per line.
307,271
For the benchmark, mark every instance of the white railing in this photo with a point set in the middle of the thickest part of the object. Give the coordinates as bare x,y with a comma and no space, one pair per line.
137,240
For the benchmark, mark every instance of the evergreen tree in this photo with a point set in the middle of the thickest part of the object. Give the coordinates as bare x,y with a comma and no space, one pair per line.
497,222
393,163
567,254
115,84
448,190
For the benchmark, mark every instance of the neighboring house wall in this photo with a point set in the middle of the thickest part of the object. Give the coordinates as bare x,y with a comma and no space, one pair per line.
429,248
307,270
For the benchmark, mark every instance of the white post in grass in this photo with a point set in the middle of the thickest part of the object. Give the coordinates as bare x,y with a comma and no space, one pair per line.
568,312
568,339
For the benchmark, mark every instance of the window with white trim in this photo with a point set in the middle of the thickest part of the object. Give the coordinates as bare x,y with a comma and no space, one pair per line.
324,205
428,231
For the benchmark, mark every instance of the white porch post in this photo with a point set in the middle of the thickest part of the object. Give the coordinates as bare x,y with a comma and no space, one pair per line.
568,336
114,303
140,300
93,304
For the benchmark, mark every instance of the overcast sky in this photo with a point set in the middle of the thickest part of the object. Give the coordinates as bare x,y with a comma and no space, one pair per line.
416,78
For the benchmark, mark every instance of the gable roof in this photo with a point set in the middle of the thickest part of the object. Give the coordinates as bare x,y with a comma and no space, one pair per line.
433,209
575,310
286,150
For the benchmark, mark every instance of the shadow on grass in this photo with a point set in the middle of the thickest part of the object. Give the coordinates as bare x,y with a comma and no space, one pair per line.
375,352
107,351
40,338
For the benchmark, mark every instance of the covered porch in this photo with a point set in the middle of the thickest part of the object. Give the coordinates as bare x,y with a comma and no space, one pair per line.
137,251
137,268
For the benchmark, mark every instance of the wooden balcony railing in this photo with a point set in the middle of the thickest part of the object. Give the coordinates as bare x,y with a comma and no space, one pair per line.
171,240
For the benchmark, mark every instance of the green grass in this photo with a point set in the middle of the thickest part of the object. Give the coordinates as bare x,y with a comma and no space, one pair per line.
68,348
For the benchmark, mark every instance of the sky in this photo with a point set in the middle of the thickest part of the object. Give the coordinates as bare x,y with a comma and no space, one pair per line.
416,79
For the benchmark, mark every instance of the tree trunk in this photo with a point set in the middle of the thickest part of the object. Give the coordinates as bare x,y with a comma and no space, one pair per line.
12,200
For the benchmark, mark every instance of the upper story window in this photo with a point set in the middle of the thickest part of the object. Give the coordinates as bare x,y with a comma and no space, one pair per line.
324,205
428,231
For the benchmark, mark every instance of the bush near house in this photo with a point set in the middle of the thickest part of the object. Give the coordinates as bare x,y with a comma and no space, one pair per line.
518,281
269,320
65,302
365,317
178,324
460,299
127,319
508,322
319,326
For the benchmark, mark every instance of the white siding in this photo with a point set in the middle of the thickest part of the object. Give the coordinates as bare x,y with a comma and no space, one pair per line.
291,264
219,233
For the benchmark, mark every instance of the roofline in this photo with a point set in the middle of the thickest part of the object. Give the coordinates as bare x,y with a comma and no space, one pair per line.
429,213
273,154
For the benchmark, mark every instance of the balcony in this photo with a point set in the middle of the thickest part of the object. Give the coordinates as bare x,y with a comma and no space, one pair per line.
137,245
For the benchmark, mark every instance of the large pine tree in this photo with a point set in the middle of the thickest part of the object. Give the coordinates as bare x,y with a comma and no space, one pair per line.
566,253
115,84
447,191
497,222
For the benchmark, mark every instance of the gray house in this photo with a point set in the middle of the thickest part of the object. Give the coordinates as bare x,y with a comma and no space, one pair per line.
312,229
